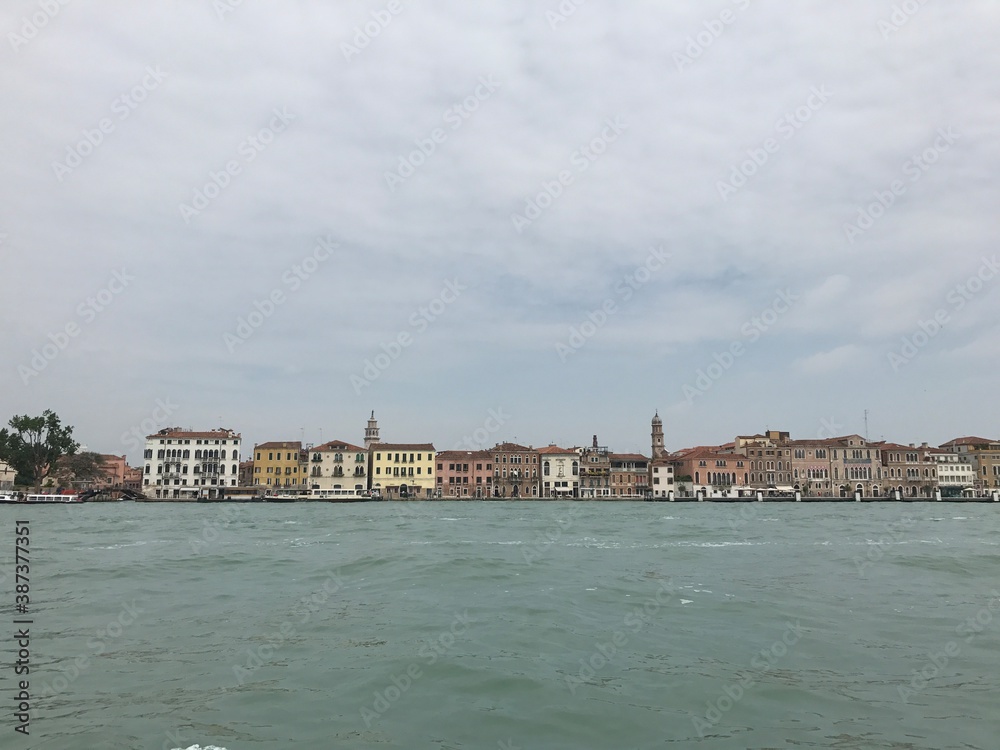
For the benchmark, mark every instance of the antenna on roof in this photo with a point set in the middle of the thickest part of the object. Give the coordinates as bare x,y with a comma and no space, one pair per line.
866,425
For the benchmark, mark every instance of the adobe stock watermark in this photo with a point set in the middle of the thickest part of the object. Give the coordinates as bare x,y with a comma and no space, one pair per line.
700,42
456,115
302,613
786,127
915,168
752,330
401,684
550,535
901,15
763,662
562,13
87,311
212,531
957,298
580,160
224,7
134,438
249,149
32,25
98,645
634,622
624,291
122,105
495,420
364,33
967,631
894,534
292,279
419,321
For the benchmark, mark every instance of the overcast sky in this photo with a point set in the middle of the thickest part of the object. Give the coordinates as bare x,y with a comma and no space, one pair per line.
279,216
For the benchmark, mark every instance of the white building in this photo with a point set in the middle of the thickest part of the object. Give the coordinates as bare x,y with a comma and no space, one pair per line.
956,472
185,465
7,476
661,477
560,471
338,465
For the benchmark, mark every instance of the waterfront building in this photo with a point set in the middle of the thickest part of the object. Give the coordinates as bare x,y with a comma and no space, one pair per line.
7,476
337,465
402,469
856,466
464,474
516,470
656,437
280,464
560,471
595,471
812,467
956,474
629,475
246,473
661,477
769,460
187,464
984,454
133,478
708,470
910,470
371,432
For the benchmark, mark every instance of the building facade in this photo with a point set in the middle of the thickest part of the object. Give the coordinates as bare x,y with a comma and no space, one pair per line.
707,470
984,454
516,470
402,470
464,474
560,472
661,477
595,471
185,464
338,465
629,475
280,464
7,476
956,475
910,470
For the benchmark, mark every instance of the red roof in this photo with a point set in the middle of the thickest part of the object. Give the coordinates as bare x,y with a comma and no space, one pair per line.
291,445
334,446
173,434
452,455
403,447
555,449
970,441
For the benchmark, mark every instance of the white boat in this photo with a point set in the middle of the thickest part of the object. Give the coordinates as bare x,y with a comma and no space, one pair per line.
48,499
340,495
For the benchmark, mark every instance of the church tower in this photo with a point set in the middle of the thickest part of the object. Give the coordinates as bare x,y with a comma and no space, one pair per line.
658,450
371,432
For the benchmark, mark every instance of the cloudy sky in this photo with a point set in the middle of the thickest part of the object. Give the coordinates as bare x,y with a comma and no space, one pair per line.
279,216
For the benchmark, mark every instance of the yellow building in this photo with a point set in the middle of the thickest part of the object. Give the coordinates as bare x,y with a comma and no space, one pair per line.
281,464
402,469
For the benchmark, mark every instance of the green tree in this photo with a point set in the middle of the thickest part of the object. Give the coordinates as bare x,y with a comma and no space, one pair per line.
32,445
80,467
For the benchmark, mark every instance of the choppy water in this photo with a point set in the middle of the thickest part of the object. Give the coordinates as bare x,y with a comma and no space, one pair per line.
511,625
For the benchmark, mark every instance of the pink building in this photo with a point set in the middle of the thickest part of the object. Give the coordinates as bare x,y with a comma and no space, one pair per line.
464,474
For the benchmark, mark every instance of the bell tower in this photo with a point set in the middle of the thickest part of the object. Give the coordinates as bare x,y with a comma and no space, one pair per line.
371,432
657,436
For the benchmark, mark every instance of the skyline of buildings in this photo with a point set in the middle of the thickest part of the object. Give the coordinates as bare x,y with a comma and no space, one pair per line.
182,462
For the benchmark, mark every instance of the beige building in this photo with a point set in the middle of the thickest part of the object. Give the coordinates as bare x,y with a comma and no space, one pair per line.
402,470
629,475
560,474
910,470
956,475
280,464
661,477
516,470
984,454
595,471
338,465
7,476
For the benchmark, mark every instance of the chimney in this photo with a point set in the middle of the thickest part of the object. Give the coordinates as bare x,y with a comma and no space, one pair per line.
595,441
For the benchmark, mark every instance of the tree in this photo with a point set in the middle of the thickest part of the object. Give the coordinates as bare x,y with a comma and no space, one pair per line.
32,445
80,467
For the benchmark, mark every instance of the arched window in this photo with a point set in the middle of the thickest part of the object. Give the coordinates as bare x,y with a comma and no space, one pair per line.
545,468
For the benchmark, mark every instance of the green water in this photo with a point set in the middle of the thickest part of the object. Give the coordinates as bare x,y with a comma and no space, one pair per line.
508,625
